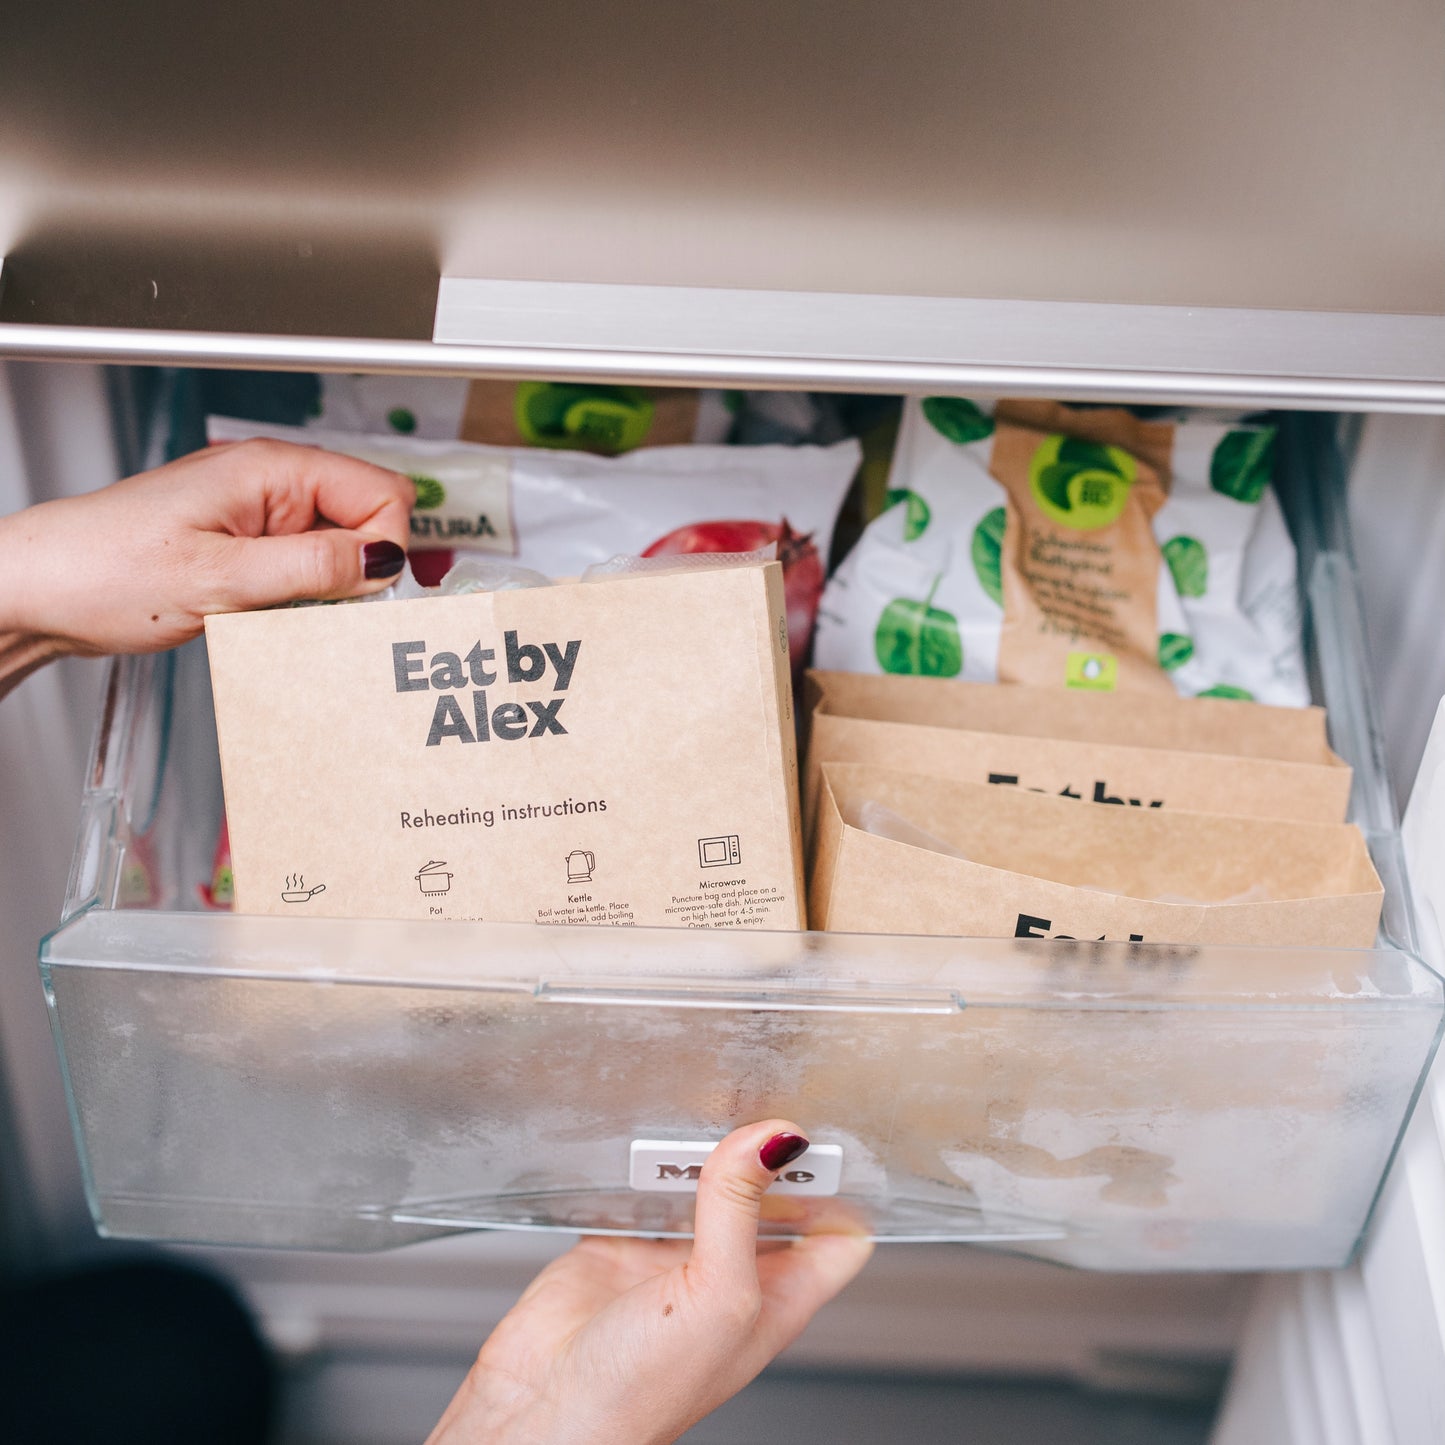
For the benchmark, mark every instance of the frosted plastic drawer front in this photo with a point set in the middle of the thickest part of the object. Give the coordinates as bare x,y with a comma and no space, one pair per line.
357,1085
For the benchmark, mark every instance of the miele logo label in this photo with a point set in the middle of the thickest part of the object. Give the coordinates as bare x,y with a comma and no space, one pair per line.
694,1172
671,1166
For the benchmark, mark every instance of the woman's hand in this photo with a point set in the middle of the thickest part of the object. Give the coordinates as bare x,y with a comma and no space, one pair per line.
135,567
630,1342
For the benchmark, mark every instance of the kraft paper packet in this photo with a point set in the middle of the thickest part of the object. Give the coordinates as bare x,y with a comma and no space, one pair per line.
1040,867
590,418
1202,754
615,752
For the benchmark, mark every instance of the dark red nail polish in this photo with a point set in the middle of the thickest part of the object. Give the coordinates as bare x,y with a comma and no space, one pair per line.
782,1149
381,559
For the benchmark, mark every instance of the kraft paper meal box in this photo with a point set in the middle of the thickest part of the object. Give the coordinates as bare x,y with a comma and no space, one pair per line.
1035,866
614,752
1203,754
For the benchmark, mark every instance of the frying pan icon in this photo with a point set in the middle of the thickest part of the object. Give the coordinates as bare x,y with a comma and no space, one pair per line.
296,890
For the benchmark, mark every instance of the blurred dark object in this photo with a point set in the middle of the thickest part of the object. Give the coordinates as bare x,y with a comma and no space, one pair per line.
283,398
145,1353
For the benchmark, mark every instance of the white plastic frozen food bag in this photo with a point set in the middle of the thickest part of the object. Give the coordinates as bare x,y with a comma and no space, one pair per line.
561,512
1033,542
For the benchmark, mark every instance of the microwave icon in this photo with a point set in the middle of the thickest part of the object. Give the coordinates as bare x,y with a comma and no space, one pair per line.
719,852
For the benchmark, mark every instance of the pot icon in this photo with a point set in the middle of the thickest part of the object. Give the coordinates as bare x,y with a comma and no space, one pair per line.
433,879
580,864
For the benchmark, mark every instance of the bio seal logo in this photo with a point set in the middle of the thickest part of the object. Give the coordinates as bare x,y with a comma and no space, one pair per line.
451,672
1081,485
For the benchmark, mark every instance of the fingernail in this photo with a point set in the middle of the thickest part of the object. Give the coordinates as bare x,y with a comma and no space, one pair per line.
782,1149
381,559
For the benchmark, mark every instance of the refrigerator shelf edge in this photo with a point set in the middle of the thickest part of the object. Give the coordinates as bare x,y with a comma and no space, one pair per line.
694,336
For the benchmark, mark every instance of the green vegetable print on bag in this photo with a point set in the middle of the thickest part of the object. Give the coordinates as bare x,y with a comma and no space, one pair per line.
1241,464
918,638
1174,651
959,420
1188,565
915,522
987,553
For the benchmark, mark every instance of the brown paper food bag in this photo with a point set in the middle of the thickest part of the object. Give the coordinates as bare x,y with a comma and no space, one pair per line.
581,753
1079,565
1202,754
997,862
583,418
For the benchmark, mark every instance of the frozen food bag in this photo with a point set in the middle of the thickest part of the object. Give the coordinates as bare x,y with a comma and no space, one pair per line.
575,416
560,512
220,892
591,416
1036,866
428,407
1127,749
1090,548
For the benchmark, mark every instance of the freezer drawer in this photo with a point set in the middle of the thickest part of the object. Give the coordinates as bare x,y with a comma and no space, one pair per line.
334,1084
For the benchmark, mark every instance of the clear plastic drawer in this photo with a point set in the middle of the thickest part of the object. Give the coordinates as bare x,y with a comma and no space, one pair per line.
359,1085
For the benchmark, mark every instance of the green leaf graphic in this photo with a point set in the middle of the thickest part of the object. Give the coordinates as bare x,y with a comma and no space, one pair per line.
1174,650
918,638
915,524
959,420
1241,464
1189,564
988,553
1227,689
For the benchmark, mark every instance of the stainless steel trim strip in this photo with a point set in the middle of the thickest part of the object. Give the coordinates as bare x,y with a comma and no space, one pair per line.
941,330
793,340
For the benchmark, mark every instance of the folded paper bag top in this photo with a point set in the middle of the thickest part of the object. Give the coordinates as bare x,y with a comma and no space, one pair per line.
1205,755
1198,724
1038,866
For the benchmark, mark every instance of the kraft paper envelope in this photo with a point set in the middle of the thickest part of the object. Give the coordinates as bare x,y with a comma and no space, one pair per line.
1035,866
616,752
1203,754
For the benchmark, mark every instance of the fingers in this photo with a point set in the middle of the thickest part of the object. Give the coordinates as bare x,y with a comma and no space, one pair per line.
325,564
729,1200
799,1280
302,484
300,524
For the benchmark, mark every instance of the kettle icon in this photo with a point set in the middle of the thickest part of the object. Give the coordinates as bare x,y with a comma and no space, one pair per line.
580,864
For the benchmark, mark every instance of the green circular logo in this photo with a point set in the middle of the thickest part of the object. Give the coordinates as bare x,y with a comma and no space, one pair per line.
1079,484
606,419
430,493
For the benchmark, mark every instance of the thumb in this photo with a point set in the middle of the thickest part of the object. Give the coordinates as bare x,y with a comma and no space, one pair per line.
326,564
730,1193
